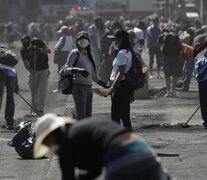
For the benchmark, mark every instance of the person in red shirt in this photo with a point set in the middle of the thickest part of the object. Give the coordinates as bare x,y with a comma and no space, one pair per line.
186,56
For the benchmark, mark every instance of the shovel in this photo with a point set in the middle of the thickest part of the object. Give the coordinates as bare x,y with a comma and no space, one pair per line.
185,125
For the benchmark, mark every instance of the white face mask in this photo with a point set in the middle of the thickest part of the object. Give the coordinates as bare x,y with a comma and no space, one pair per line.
83,43
114,45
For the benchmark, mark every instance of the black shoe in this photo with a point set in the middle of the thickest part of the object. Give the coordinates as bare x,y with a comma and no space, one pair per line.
40,113
10,127
205,124
3,126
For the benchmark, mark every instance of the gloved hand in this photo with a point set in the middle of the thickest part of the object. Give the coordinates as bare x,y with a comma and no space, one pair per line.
16,90
103,84
81,71
35,48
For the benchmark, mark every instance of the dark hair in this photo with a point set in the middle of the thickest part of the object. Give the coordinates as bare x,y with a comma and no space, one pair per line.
126,44
25,37
88,49
198,47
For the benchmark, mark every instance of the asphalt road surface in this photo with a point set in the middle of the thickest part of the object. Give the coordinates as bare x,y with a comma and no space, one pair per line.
182,151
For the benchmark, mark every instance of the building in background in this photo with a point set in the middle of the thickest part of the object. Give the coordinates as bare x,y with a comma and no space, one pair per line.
30,9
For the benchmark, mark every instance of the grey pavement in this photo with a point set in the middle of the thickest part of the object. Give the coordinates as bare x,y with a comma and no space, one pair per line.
149,111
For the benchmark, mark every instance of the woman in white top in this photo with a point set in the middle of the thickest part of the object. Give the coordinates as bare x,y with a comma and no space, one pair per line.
122,91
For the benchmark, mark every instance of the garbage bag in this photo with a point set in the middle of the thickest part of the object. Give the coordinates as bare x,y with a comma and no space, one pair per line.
24,139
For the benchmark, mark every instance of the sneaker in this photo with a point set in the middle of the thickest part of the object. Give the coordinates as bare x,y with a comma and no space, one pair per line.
151,77
173,94
159,77
55,91
167,95
34,113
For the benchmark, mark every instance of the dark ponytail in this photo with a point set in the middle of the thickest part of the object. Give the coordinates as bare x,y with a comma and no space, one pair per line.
88,49
198,48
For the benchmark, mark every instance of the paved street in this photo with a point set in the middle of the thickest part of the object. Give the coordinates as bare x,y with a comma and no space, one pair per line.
147,117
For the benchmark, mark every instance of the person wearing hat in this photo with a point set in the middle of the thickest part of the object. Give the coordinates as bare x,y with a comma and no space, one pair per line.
62,48
91,145
122,91
34,54
82,83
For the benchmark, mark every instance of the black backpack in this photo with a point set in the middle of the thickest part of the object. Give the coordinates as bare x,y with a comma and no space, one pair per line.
135,75
171,44
8,57
66,80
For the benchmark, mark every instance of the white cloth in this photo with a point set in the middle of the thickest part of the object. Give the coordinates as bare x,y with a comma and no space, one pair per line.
123,58
68,43
139,35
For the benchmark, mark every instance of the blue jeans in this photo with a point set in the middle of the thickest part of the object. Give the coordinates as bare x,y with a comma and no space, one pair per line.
9,83
187,73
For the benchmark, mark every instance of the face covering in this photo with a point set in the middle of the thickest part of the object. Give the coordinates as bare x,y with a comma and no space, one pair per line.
83,43
114,45
26,43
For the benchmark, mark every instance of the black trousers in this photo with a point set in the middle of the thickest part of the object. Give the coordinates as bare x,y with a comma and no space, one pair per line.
202,86
120,108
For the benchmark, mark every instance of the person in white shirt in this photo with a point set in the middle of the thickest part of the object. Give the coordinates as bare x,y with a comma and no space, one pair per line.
122,91
62,48
138,40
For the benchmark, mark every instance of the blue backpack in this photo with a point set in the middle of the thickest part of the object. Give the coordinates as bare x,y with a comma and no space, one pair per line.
201,66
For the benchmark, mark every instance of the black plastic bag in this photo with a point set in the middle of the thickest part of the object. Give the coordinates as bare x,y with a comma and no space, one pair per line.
24,139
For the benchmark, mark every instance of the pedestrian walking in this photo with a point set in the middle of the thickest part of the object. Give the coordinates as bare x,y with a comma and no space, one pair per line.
34,55
153,32
188,60
81,57
91,145
122,91
172,63
95,32
62,48
8,79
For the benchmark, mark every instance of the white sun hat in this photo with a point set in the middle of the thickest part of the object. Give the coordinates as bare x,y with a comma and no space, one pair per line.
43,127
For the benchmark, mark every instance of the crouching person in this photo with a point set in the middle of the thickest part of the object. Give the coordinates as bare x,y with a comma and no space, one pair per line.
91,145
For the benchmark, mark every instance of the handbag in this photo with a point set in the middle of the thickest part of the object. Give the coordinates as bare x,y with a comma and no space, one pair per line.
66,80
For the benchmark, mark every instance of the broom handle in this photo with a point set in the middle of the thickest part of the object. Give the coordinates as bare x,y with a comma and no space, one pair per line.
33,80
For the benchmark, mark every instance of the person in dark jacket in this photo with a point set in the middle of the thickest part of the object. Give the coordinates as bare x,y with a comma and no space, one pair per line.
200,54
34,54
172,64
8,80
91,145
